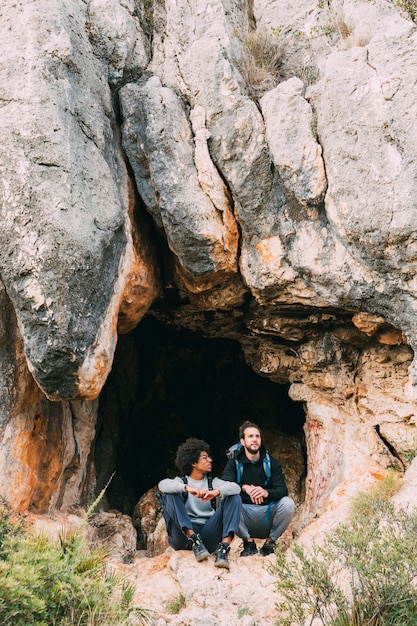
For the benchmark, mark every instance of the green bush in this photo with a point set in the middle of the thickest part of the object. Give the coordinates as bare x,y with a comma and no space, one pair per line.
58,582
410,6
176,604
363,574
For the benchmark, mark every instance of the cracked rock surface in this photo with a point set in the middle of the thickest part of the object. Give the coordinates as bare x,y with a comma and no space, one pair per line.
150,165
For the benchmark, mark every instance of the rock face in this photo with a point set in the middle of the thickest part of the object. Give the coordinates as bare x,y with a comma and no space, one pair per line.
140,177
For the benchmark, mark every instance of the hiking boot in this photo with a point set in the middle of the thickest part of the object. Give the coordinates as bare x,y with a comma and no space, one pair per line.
268,547
222,557
199,549
249,548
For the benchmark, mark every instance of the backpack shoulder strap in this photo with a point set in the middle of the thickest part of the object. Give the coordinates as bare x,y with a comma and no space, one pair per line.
210,486
185,493
266,465
267,468
239,471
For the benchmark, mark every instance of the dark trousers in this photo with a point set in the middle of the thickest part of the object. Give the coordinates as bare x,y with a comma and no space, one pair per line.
224,521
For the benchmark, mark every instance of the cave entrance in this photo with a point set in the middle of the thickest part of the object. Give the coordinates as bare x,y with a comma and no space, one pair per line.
167,385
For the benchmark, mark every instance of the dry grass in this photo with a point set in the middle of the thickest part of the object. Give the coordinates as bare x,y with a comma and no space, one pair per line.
260,61
349,35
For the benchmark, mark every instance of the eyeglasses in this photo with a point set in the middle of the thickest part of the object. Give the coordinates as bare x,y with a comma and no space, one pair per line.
205,456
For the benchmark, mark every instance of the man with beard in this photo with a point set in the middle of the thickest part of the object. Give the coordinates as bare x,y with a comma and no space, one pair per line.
193,519
266,508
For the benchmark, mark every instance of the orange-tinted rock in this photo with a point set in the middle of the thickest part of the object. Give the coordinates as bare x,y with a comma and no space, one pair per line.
142,279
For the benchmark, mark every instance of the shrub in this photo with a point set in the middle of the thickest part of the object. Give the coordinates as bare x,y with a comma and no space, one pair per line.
362,574
176,603
244,610
409,6
309,74
260,60
338,27
59,582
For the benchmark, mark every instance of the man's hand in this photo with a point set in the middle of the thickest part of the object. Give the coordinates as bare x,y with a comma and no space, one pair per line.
209,495
256,494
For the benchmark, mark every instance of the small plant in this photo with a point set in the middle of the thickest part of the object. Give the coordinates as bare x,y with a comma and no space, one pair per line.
308,74
242,611
363,573
408,457
327,29
176,603
276,30
261,56
12,528
409,6
337,22
144,11
338,26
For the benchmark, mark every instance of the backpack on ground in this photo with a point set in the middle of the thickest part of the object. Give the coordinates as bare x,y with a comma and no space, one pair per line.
266,462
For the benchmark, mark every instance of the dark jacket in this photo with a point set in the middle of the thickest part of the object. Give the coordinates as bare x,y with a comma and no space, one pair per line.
253,474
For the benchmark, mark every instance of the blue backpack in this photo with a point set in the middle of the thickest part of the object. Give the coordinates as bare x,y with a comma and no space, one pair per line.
230,453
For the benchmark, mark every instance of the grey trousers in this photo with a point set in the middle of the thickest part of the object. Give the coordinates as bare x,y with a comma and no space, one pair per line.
261,521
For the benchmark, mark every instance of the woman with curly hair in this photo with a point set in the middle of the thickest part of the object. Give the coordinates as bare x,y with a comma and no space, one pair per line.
192,522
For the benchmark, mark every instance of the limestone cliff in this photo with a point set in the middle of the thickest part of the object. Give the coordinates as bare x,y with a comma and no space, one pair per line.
244,171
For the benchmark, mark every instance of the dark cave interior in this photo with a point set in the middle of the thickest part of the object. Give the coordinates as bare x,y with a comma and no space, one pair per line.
167,385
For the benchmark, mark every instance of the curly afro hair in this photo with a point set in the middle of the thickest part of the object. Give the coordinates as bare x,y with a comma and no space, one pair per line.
189,453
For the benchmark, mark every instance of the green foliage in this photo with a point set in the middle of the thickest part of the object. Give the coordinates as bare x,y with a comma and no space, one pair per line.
176,603
148,10
308,74
58,582
378,500
409,6
276,30
362,575
144,11
242,611
11,528
306,583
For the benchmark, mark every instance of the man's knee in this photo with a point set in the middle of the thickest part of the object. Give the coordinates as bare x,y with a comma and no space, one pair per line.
173,496
173,502
235,499
287,505
233,502
176,498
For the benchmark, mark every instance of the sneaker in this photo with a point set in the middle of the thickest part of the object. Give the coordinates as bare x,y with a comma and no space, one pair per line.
268,547
249,548
222,557
199,549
